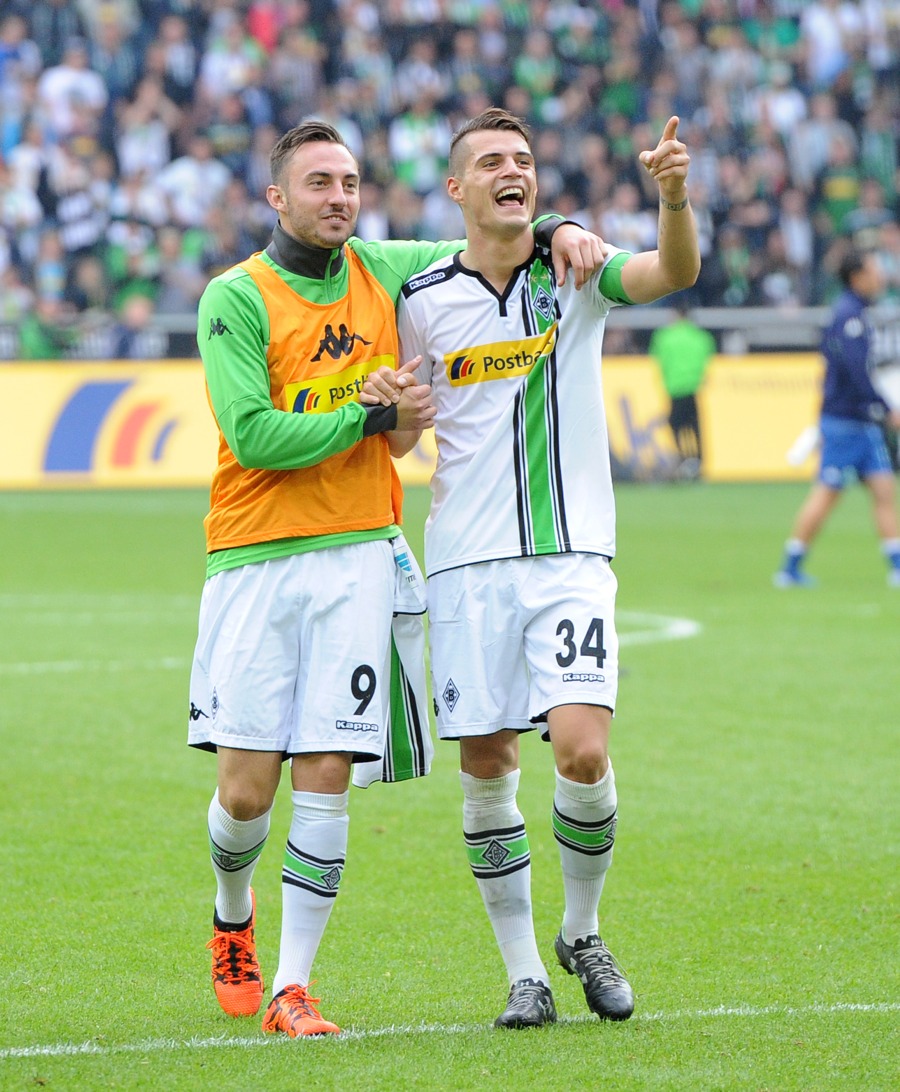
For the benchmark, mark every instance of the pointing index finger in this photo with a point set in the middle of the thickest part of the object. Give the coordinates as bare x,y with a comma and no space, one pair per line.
671,130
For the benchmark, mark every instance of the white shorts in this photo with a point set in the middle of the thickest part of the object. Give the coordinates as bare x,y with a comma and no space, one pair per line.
512,639
293,654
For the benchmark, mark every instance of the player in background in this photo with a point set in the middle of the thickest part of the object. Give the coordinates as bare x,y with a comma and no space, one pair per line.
520,535
682,351
296,612
851,424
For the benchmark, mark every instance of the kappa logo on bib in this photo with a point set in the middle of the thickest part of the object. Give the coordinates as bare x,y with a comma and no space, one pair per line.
327,392
500,360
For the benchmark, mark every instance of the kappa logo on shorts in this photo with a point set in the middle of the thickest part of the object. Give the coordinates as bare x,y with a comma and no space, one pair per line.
450,695
582,676
196,713
355,726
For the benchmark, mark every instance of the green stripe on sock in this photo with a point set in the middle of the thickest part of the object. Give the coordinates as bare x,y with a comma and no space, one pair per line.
311,872
232,862
516,849
590,839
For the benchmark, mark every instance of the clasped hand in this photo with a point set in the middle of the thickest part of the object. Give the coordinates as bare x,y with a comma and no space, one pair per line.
397,386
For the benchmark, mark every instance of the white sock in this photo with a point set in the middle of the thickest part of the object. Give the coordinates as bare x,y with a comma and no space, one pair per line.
497,848
313,865
890,547
584,825
234,848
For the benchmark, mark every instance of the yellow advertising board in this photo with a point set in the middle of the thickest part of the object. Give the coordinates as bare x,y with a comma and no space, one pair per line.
105,424
752,411
110,424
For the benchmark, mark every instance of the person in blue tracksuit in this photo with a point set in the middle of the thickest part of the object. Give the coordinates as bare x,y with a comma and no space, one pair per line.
851,425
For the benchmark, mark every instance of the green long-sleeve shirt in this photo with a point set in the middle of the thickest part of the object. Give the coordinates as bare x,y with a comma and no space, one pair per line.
233,336
682,350
235,363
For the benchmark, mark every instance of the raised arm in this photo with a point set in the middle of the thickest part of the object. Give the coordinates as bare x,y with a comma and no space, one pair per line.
675,264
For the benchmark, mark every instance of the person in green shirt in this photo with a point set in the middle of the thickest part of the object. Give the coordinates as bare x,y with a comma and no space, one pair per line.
48,332
682,350
291,661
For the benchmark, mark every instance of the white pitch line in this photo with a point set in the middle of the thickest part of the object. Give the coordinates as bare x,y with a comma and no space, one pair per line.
652,628
147,1046
68,667
98,601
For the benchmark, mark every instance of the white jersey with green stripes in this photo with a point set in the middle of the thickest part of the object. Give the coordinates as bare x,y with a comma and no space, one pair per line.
523,453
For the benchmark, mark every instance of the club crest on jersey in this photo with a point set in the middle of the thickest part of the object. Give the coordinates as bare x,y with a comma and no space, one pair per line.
500,360
327,392
543,304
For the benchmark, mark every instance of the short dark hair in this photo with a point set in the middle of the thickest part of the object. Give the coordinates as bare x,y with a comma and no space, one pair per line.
490,120
306,133
851,263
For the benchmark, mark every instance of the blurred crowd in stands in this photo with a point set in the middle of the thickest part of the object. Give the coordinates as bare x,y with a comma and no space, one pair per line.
135,136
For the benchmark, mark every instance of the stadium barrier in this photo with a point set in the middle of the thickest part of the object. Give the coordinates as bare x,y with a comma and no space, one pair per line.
111,424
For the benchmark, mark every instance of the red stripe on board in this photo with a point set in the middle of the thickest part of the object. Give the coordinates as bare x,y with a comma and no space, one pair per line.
125,446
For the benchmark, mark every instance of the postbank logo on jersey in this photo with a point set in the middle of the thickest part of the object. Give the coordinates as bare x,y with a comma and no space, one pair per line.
327,392
500,360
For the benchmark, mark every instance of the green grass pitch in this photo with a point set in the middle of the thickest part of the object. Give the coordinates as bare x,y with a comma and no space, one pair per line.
753,898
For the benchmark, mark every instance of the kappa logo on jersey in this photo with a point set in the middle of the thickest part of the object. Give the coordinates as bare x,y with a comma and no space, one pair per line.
338,344
216,328
423,282
327,392
500,360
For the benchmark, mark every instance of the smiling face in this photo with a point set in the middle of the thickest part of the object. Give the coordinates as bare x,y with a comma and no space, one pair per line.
494,181
316,194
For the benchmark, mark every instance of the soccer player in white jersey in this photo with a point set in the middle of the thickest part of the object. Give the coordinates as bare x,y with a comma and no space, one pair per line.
521,532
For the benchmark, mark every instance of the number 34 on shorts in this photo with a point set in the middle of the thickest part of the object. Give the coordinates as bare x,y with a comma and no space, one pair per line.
514,638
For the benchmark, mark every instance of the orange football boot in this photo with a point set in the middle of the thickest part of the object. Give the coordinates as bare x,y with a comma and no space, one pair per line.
294,1012
237,978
